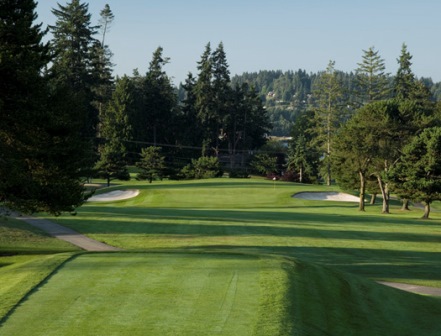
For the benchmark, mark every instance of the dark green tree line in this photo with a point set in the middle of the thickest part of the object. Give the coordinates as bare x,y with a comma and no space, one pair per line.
43,154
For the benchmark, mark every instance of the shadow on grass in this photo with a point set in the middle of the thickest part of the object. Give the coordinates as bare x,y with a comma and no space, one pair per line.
372,263
239,223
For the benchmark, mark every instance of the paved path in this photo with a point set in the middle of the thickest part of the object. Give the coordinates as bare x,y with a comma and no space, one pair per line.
434,291
67,234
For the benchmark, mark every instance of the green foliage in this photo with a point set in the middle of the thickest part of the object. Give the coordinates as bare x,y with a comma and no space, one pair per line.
153,119
417,175
373,83
303,156
152,164
43,156
238,173
264,164
202,168
115,131
404,80
231,119
112,163
329,114
78,64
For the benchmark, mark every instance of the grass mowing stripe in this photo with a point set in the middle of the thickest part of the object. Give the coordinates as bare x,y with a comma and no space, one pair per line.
150,294
23,275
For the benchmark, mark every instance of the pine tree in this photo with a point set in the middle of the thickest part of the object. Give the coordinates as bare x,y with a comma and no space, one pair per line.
115,131
205,99
328,115
160,102
372,82
106,20
152,164
418,173
404,82
41,160
73,45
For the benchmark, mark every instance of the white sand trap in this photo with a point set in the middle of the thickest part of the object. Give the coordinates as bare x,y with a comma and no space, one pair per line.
327,196
115,195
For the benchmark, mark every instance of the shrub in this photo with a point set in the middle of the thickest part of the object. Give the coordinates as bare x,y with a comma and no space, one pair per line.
204,167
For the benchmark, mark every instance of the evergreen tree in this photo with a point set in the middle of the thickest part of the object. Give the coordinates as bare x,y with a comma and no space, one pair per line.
115,131
41,153
373,83
189,124
160,101
404,82
152,164
106,20
73,45
418,173
303,157
328,115
204,100
222,97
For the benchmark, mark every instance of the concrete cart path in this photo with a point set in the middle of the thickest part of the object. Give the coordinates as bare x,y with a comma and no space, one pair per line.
433,291
67,234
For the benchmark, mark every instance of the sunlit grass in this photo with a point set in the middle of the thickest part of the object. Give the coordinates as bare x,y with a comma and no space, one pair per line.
261,216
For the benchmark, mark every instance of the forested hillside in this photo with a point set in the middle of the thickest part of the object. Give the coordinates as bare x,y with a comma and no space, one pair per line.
287,94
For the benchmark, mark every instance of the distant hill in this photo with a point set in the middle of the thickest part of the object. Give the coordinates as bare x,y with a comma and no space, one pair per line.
287,94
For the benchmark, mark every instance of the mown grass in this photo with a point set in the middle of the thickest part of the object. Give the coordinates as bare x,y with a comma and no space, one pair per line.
178,293
260,216
228,257
27,257
157,294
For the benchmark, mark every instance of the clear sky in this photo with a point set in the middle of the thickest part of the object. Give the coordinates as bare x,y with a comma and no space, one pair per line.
269,35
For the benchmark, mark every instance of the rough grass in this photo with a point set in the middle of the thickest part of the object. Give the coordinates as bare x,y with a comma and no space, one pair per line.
18,237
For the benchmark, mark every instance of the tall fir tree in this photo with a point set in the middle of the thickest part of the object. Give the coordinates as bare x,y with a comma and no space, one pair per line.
204,99
329,114
115,132
404,82
159,103
372,81
73,47
41,158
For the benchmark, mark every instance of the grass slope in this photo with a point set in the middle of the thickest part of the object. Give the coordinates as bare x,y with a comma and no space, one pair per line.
27,257
215,294
325,301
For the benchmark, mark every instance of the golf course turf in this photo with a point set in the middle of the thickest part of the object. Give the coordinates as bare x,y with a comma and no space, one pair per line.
235,257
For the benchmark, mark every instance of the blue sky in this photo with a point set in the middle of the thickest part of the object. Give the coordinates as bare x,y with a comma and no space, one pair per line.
269,35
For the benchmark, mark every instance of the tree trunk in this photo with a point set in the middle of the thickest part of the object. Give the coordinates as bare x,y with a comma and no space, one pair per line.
373,199
362,190
384,194
426,210
301,174
405,204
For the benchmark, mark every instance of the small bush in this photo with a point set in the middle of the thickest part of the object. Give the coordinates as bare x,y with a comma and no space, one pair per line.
204,167
238,173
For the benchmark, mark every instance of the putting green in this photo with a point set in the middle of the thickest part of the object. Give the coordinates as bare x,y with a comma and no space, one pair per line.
156,294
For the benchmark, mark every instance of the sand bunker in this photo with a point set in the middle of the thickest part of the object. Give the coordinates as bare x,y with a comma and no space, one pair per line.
327,196
115,195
